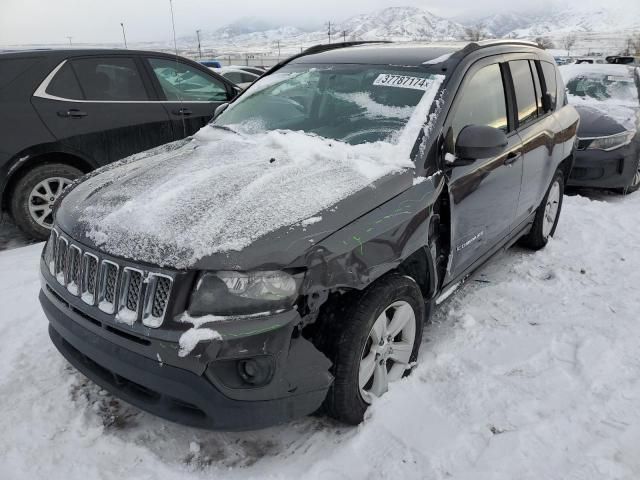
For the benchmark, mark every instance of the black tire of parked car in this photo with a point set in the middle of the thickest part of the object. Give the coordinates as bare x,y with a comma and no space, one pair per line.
347,337
634,186
19,199
536,239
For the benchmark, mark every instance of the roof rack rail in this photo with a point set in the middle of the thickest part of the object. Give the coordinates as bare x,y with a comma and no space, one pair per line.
472,46
505,41
324,47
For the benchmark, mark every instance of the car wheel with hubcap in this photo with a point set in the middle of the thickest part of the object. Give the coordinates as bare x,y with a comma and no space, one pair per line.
372,344
34,195
547,215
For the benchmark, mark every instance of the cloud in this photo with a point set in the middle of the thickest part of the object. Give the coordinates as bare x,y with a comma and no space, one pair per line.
98,21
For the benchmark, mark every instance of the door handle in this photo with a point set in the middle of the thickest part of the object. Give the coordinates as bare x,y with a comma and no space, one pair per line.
512,158
183,111
72,113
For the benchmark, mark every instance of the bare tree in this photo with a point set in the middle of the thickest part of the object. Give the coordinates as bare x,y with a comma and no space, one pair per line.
544,42
568,41
475,33
633,44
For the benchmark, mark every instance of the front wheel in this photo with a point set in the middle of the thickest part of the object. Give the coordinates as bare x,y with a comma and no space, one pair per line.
547,215
376,344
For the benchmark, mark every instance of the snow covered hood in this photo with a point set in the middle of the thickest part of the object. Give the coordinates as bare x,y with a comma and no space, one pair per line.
598,117
219,192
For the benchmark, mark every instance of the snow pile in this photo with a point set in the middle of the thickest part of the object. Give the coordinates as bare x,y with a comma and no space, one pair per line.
530,371
190,339
223,190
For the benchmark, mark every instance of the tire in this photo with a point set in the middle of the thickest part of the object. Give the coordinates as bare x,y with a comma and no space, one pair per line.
23,197
633,186
350,342
542,228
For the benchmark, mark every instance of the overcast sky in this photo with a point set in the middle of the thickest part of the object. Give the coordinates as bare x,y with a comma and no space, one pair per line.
98,21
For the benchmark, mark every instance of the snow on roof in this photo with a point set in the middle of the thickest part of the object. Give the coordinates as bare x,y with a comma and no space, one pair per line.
221,191
574,70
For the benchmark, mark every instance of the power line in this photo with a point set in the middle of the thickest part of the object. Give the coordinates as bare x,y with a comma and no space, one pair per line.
124,35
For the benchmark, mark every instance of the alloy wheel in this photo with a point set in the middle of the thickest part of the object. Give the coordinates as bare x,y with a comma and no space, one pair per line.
42,198
551,209
387,351
636,179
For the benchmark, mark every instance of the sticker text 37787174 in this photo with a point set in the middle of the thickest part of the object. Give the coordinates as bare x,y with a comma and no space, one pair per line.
402,81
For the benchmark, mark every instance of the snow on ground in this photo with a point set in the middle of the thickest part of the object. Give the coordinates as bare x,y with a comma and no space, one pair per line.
531,371
10,236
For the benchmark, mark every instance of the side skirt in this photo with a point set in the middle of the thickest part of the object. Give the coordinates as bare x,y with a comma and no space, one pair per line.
451,286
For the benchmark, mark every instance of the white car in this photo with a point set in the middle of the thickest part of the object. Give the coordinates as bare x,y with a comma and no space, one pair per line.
239,77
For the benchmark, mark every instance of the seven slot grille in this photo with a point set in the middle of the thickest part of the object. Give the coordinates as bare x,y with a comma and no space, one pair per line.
126,292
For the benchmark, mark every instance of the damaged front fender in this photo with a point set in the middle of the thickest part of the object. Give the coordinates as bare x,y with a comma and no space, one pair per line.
378,241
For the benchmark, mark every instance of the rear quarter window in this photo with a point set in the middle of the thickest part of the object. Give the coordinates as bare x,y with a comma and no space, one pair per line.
65,84
549,72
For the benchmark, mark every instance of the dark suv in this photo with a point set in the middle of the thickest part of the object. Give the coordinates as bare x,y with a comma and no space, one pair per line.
67,112
288,255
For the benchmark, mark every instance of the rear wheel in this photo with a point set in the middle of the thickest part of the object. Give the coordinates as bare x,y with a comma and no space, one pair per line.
547,215
34,194
376,345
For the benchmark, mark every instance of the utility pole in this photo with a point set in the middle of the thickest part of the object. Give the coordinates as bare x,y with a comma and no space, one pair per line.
278,47
124,36
344,36
329,30
199,48
69,38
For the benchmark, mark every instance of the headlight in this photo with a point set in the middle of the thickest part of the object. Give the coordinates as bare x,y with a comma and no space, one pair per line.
610,142
229,293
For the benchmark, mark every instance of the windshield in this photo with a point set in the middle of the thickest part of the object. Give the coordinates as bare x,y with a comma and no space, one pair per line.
352,103
604,87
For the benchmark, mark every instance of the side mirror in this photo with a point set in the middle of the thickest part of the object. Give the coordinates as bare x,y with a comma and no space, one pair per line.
480,141
219,109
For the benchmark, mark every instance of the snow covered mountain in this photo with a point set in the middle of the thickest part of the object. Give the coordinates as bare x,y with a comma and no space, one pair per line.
563,20
393,23
410,23
256,36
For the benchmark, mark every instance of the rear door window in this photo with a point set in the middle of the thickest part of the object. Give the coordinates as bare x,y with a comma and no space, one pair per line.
483,101
65,84
538,87
110,79
527,107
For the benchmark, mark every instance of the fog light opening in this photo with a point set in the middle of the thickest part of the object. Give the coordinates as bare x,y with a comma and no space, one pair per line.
255,371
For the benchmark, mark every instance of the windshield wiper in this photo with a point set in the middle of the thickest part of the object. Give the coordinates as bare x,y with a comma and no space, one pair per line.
223,127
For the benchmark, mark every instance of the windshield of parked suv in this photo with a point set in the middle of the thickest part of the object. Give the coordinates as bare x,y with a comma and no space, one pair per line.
352,103
604,86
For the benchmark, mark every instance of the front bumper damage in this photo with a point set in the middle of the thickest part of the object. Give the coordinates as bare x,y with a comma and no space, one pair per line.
205,388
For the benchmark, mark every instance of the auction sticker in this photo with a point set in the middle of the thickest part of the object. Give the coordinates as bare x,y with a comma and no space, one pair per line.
402,81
